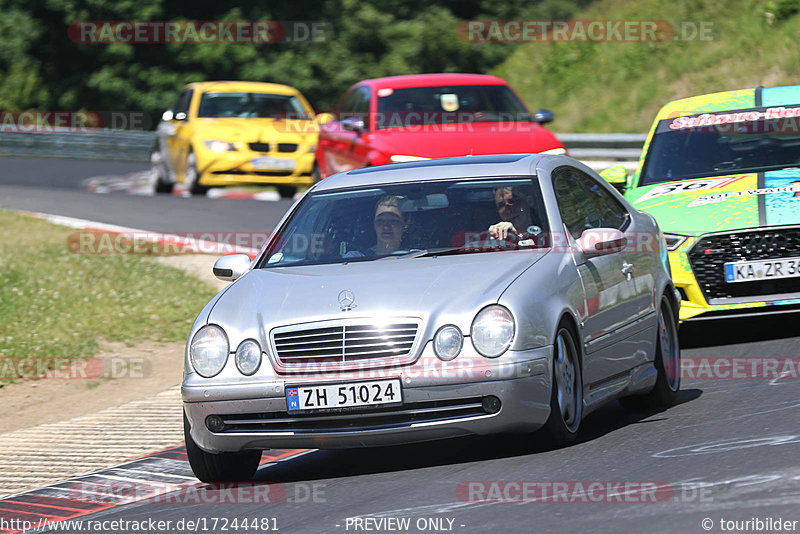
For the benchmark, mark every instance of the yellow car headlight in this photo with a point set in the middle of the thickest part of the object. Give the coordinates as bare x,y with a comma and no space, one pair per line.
215,145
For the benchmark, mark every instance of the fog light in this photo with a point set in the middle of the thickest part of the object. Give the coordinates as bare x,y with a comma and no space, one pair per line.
491,404
216,424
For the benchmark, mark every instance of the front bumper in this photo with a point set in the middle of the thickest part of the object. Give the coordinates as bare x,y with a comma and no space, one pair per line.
432,409
234,168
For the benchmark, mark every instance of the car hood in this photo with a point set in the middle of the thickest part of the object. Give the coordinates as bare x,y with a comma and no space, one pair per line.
255,130
418,287
476,139
722,203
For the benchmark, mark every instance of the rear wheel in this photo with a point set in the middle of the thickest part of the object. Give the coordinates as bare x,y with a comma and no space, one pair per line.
667,363
222,467
287,191
566,397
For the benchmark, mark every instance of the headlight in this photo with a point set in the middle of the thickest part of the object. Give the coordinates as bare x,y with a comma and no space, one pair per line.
399,158
209,351
248,357
492,331
447,342
673,241
219,146
555,151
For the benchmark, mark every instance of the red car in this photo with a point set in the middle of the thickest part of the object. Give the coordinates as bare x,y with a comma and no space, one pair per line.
423,116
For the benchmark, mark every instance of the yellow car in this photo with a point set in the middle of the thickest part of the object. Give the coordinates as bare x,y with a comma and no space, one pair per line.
226,133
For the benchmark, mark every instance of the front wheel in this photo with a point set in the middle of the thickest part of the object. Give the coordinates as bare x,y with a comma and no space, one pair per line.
566,394
191,178
286,191
667,363
161,182
222,467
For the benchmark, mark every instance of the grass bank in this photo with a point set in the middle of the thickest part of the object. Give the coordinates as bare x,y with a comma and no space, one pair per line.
57,304
619,86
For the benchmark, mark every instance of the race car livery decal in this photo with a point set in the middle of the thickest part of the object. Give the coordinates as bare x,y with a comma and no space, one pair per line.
783,208
719,197
687,186
747,115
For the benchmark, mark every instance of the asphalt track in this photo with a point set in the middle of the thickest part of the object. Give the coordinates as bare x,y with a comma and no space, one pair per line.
727,451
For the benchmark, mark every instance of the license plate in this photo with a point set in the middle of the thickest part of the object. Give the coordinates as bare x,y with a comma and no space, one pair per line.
343,395
273,163
749,271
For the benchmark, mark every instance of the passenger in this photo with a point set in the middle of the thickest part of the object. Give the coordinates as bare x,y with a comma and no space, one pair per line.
514,210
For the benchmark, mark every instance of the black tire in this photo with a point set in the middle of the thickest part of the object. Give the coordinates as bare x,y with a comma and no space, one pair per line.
223,467
286,191
193,183
162,184
563,427
668,382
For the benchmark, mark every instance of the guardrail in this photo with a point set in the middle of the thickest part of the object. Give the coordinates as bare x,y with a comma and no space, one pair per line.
132,145
126,145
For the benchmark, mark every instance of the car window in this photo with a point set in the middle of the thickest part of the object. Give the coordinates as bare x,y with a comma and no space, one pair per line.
184,101
584,203
250,105
347,105
373,222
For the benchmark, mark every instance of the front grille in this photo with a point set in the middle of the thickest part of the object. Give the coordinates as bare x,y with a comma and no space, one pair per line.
238,172
287,147
709,255
343,342
266,147
259,147
356,421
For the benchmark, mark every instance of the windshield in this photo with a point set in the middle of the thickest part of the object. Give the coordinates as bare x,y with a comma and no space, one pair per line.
449,105
251,105
411,220
711,144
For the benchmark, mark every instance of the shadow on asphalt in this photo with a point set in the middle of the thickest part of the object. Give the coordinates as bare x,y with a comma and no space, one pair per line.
743,330
326,464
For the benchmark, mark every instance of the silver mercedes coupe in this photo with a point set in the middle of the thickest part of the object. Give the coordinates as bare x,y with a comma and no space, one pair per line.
429,300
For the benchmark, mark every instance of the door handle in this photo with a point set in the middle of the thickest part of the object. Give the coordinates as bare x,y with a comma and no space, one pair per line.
627,269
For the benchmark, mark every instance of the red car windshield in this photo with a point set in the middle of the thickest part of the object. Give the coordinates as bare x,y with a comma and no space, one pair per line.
449,105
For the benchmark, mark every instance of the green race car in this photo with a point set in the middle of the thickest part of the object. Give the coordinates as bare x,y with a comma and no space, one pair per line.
721,175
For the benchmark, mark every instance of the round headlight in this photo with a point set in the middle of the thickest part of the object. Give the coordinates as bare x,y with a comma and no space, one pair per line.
209,351
492,331
248,357
447,342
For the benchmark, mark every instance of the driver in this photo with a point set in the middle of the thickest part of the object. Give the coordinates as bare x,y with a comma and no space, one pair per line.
514,213
389,224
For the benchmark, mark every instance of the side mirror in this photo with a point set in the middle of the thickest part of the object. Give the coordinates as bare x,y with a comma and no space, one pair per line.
167,116
353,124
180,116
616,176
601,241
229,268
324,118
543,116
